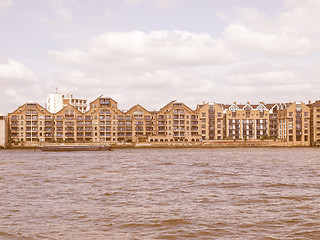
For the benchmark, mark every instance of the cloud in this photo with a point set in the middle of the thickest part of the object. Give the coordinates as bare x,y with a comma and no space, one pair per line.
158,3
153,50
269,82
19,84
5,4
61,9
292,33
14,72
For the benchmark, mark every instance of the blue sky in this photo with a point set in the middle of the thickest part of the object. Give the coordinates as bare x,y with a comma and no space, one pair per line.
153,51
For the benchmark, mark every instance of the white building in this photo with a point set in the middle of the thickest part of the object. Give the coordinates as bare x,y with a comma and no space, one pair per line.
3,132
78,103
57,101
54,102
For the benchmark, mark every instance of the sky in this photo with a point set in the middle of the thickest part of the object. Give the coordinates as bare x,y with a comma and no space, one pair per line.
150,52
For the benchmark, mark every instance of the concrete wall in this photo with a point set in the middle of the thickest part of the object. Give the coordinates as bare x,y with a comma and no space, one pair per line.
3,132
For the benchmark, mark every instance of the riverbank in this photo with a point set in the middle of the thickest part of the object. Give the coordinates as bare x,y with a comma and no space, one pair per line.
205,144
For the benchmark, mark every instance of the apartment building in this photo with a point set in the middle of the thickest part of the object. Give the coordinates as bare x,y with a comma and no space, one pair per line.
273,119
246,121
54,102
78,103
57,101
211,121
294,123
175,122
31,123
314,123
3,131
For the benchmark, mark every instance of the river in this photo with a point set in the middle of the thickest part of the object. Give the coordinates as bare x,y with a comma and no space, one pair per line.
231,193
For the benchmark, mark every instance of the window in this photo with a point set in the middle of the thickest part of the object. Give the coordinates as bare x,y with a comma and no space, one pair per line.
306,114
203,114
290,114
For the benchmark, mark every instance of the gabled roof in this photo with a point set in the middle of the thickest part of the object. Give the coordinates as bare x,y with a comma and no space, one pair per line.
247,105
24,106
233,107
261,107
100,97
69,106
135,106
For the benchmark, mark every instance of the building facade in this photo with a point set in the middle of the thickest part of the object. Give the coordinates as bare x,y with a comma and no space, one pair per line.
314,123
3,132
54,102
57,101
295,123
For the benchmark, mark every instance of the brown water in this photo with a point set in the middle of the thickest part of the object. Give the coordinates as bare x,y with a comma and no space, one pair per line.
161,194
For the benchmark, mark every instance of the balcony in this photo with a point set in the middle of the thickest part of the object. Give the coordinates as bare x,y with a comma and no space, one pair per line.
14,123
14,129
69,117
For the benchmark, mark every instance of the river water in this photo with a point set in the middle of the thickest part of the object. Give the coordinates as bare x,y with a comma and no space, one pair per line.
242,193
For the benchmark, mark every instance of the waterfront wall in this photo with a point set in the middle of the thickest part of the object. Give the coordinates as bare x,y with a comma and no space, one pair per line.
205,144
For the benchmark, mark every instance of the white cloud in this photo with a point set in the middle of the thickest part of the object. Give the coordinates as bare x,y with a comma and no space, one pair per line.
5,4
156,49
269,82
19,84
61,9
158,3
15,72
292,33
